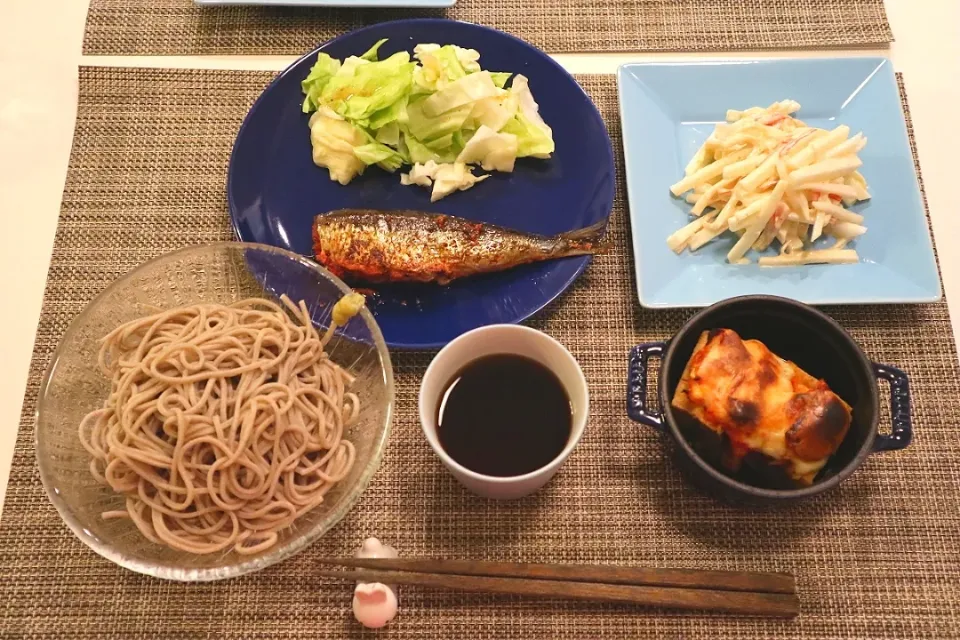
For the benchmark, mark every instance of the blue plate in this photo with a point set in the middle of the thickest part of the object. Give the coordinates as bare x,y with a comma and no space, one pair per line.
669,109
274,190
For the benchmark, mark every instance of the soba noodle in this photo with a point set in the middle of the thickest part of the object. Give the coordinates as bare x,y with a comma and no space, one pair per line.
224,424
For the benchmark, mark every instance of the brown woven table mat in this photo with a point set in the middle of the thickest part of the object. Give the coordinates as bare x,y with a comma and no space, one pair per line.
178,27
876,558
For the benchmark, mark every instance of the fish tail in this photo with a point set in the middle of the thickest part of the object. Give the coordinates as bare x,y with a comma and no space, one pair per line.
582,241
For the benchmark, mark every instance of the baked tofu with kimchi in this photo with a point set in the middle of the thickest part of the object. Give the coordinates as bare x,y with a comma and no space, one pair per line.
759,403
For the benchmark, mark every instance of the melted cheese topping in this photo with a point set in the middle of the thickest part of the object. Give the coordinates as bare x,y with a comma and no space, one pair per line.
762,403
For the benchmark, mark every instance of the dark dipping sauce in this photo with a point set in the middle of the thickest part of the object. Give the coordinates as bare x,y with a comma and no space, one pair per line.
504,415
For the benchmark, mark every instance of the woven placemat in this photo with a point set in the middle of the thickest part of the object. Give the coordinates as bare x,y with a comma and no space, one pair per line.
878,558
178,27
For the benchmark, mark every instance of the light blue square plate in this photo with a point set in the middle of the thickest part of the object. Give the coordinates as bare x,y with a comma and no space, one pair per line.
370,4
669,109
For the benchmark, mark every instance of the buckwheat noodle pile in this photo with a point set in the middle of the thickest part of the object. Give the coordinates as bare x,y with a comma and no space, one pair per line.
224,424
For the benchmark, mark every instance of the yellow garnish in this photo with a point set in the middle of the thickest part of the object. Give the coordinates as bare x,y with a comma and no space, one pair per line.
347,307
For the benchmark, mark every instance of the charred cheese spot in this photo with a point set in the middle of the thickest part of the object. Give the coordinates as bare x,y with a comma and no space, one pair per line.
720,362
821,423
767,374
732,348
743,412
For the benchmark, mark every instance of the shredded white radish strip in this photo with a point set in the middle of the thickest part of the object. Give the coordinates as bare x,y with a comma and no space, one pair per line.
819,256
777,183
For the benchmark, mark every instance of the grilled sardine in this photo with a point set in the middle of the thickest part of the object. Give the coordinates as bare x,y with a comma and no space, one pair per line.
409,246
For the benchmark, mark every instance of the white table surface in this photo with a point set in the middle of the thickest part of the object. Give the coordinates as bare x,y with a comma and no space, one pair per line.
40,51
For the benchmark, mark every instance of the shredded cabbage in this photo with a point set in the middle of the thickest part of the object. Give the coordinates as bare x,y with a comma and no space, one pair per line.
438,111
445,178
334,143
321,72
491,150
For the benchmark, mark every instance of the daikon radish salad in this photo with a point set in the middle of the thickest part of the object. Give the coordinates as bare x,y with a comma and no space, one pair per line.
772,180
439,112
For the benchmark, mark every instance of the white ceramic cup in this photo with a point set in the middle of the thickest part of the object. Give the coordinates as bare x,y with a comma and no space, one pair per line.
490,340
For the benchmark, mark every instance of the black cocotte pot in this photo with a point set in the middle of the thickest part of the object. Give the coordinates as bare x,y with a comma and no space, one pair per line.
794,331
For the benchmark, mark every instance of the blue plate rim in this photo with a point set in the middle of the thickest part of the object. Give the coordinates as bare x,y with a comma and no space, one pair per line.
584,261
627,124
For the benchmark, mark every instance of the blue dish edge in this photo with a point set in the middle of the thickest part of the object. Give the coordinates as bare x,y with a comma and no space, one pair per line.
884,61
585,260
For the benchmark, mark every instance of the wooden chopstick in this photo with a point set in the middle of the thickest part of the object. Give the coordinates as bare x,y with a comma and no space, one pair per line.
640,576
742,602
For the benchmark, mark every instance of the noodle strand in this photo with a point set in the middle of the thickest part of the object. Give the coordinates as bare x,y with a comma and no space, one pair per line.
224,424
